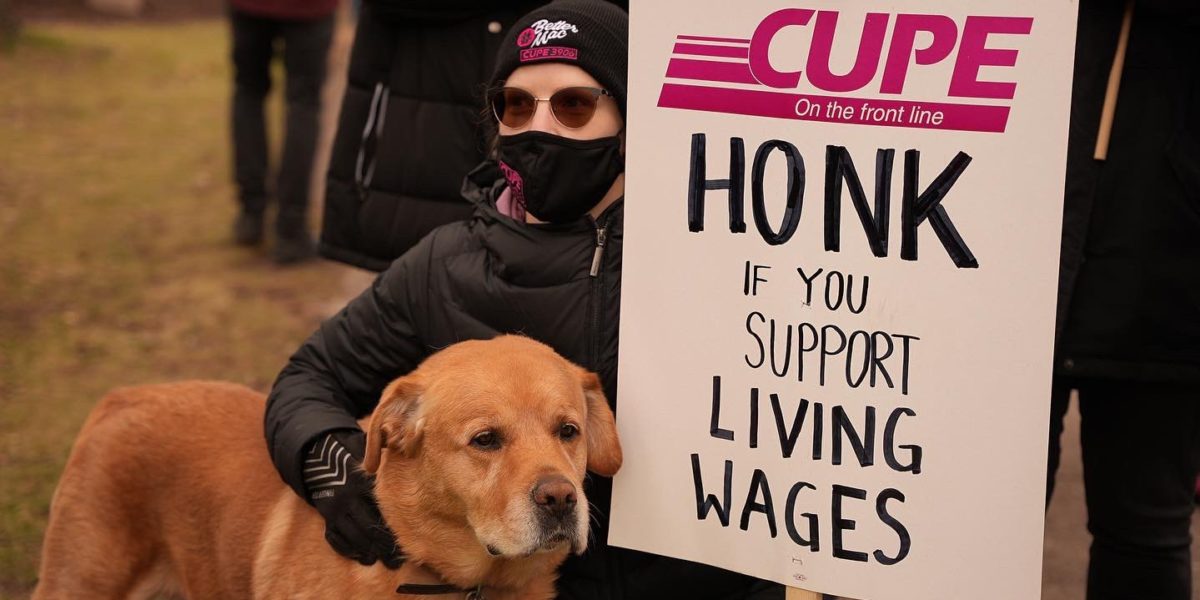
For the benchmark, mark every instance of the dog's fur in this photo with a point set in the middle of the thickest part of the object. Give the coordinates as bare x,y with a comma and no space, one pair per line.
169,488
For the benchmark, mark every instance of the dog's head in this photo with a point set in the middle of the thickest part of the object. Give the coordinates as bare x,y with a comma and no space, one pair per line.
498,435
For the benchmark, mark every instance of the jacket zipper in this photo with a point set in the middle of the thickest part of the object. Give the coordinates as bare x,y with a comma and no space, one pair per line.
598,255
597,260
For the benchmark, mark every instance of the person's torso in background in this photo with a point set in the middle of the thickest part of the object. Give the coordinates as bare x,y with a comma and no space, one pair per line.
1131,250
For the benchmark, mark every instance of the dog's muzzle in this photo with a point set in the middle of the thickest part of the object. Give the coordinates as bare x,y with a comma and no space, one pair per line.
556,500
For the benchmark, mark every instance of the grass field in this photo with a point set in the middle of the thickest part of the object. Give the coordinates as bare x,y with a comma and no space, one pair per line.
115,261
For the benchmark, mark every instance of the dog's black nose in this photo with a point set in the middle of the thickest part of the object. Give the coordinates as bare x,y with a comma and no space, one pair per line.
555,496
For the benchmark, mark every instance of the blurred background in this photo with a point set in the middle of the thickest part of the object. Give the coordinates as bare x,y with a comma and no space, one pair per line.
116,265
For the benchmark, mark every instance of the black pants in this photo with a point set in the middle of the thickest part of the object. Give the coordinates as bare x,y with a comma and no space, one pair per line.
305,51
1141,455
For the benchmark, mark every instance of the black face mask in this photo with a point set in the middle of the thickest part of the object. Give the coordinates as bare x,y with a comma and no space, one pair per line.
558,180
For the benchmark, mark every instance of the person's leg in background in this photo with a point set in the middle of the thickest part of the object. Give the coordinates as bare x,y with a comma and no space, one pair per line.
1060,401
306,50
1141,454
253,47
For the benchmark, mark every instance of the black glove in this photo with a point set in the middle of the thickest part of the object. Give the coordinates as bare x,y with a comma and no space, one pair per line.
340,491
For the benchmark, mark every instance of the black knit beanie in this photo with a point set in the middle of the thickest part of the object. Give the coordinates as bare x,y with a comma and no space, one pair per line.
591,34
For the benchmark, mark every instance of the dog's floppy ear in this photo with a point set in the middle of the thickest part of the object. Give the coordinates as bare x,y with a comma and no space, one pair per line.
603,447
395,423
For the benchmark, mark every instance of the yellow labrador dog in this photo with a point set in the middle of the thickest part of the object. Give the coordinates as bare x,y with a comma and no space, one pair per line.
169,488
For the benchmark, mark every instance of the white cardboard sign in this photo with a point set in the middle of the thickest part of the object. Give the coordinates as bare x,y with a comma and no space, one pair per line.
841,255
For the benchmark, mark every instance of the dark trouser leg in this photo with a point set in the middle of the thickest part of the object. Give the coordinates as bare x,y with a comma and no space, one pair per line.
1141,452
1060,401
306,50
253,42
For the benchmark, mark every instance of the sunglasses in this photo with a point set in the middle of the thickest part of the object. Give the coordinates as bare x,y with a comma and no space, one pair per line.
572,107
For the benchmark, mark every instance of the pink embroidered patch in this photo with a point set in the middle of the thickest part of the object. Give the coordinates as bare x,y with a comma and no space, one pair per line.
525,39
549,53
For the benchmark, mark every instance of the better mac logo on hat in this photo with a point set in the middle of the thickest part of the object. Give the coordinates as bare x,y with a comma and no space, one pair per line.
531,41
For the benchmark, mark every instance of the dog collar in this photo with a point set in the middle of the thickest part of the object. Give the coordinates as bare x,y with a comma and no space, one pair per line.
440,589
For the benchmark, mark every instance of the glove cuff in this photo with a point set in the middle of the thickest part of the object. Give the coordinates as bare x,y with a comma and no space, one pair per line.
330,461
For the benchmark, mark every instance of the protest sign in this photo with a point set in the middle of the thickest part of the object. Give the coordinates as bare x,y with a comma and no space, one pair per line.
841,257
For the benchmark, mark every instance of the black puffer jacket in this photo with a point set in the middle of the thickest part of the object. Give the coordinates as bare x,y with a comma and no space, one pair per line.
475,280
417,67
1129,293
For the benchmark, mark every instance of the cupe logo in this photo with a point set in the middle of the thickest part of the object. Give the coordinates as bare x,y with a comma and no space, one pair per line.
741,75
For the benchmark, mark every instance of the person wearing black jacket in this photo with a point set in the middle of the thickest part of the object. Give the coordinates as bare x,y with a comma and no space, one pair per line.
410,126
541,256
1128,336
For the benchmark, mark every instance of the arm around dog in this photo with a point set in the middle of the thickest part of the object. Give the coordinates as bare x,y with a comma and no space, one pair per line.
337,375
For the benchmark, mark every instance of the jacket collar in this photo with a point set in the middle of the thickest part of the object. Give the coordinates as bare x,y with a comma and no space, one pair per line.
534,254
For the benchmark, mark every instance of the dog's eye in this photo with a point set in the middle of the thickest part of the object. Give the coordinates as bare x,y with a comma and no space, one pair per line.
568,431
486,440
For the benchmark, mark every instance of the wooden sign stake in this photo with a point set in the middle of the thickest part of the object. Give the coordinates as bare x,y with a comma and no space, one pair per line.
799,594
1114,86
